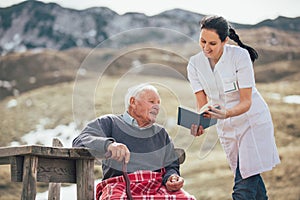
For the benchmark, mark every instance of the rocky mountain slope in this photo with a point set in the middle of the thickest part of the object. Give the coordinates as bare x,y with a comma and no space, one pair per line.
45,44
34,24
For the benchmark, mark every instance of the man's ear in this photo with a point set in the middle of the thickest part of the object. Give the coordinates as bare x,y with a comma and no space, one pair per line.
132,100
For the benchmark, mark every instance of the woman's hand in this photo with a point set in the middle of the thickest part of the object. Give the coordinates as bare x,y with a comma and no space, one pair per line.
174,182
242,107
216,111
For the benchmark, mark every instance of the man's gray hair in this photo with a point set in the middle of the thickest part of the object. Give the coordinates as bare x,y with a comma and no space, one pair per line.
135,91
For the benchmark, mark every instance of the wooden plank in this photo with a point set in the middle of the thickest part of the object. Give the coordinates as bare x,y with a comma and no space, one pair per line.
34,163
85,179
49,170
16,168
4,161
54,188
29,178
57,143
54,191
56,170
75,153
12,151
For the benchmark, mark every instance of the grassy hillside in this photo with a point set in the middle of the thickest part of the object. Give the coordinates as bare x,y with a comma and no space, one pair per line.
279,56
58,87
206,171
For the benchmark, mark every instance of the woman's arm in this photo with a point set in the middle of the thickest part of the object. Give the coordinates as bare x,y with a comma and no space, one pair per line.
244,104
201,99
242,107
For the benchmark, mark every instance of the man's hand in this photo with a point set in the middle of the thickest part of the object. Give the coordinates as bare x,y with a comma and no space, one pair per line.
174,182
119,152
196,130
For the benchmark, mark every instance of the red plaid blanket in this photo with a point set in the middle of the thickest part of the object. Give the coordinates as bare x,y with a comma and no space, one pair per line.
144,185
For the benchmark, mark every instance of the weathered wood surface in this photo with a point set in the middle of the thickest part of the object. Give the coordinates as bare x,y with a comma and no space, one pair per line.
85,179
48,170
34,163
16,168
54,188
4,161
72,153
29,177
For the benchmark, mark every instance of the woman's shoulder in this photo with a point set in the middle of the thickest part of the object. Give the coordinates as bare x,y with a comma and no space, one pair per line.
197,56
234,49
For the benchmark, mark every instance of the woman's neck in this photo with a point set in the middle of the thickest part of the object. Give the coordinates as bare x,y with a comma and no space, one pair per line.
212,63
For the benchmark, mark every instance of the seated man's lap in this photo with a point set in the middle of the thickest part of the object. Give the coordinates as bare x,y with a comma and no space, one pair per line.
143,185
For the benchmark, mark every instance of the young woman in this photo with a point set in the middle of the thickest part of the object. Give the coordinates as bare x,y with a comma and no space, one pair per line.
223,75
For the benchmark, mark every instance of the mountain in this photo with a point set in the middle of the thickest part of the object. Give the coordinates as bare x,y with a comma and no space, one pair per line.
60,39
282,23
34,24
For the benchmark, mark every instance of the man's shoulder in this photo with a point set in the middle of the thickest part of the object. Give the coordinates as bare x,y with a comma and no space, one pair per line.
159,128
108,118
158,125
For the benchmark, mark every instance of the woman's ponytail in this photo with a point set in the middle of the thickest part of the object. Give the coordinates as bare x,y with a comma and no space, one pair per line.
233,36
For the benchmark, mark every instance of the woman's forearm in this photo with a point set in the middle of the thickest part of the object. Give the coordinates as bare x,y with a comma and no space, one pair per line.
244,104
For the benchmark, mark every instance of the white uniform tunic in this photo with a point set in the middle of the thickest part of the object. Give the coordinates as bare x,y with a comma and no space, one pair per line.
249,136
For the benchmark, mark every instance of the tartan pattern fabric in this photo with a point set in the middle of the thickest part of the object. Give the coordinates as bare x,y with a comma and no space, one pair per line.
144,185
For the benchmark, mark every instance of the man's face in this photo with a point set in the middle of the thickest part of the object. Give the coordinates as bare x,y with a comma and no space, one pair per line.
145,107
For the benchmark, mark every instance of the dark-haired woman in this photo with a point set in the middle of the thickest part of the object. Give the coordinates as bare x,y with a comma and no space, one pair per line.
222,74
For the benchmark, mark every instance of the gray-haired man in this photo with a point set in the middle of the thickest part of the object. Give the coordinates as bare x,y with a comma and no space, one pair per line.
136,138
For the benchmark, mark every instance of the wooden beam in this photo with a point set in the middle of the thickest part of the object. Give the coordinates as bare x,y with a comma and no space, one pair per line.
4,161
16,168
58,152
29,178
85,179
54,188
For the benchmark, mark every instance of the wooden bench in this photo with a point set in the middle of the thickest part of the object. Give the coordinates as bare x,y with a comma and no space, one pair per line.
34,163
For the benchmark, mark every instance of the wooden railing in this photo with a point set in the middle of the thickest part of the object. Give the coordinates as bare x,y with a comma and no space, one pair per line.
34,163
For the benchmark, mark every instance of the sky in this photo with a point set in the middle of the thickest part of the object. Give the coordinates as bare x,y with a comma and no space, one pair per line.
239,11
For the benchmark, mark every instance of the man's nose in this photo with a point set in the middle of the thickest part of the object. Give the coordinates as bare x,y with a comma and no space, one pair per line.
156,106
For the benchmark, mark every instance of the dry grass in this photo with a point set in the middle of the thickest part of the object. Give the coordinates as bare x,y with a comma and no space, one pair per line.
207,177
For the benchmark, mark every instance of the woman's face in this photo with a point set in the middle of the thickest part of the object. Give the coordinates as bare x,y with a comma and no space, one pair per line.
211,44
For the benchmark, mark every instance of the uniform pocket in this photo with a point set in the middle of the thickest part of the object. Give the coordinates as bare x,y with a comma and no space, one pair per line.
230,85
231,90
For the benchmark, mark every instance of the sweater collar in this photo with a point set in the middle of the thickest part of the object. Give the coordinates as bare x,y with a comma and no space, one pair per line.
131,121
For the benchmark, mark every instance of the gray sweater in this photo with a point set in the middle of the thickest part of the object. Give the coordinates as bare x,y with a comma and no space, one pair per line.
150,148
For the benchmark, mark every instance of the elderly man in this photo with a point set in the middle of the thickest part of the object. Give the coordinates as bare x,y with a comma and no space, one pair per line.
145,147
